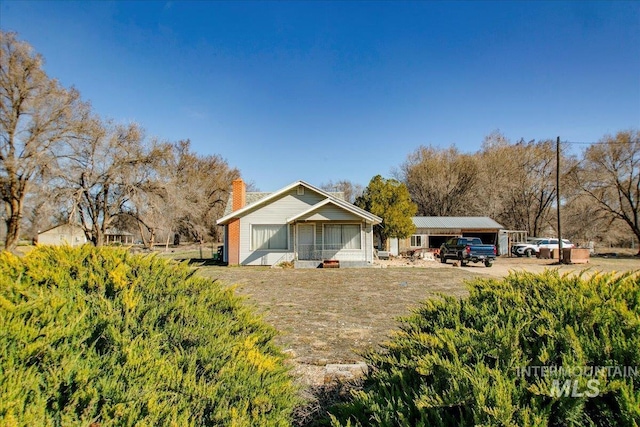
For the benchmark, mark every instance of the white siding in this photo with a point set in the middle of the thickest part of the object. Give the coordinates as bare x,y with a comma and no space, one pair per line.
288,206
276,212
63,235
331,213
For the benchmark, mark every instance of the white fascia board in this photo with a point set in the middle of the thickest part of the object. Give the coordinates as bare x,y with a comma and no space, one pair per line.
329,198
308,211
351,208
240,212
374,219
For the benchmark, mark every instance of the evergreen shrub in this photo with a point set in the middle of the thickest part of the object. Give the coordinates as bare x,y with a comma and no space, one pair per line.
527,350
100,337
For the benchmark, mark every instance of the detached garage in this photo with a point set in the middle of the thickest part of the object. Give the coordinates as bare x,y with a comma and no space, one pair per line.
432,231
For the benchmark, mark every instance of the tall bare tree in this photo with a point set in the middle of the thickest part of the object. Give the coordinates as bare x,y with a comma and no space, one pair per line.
610,175
518,183
153,209
440,181
102,173
36,115
200,188
584,222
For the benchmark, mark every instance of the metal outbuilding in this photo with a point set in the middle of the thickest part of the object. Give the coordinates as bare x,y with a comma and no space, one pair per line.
432,231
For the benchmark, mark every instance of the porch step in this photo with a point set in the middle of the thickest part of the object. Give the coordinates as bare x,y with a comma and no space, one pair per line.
307,264
343,264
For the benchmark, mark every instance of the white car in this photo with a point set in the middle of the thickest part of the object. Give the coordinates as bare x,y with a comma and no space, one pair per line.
534,245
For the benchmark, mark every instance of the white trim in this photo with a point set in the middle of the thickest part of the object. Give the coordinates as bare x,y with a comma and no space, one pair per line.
311,224
362,236
251,249
325,202
296,244
340,203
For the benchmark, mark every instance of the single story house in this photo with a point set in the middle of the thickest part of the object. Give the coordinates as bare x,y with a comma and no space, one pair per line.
299,223
117,237
64,234
433,231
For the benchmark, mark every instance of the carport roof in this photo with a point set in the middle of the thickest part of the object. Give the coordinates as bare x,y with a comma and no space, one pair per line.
457,222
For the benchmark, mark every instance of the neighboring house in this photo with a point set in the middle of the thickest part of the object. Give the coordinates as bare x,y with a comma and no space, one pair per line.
64,234
433,231
299,223
116,237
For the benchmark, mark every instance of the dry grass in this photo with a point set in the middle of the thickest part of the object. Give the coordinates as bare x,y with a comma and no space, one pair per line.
333,315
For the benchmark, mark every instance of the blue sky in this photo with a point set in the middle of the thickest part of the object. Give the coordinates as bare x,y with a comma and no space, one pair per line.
324,91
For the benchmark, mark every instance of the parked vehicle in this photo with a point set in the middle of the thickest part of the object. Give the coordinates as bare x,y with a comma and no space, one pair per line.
533,246
467,249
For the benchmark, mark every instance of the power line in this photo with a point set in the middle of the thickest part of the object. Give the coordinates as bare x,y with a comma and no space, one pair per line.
598,142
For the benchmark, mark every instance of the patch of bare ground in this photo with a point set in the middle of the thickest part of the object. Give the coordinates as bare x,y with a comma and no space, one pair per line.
332,316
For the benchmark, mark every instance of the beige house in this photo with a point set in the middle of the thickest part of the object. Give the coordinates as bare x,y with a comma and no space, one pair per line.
65,234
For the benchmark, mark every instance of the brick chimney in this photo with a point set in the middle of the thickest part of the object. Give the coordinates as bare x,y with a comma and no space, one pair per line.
239,194
239,200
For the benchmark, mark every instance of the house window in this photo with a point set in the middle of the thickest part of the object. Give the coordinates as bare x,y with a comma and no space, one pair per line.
416,241
268,237
342,236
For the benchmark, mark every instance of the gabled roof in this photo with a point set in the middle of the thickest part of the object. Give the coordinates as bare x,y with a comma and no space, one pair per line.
329,199
250,198
66,224
457,222
367,216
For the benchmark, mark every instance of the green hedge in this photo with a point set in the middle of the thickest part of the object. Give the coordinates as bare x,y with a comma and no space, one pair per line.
517,352
100,337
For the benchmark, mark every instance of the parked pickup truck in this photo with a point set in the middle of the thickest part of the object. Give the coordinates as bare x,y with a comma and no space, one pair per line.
465,249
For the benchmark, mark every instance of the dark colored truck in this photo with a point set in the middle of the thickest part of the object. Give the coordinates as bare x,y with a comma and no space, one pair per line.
465,249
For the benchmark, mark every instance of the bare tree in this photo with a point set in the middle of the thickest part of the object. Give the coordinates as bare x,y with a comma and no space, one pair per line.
40,210
102,173
610,175
517,183
152,211
585,222
496,173
152,207
350,190
36,116
440,182
199,189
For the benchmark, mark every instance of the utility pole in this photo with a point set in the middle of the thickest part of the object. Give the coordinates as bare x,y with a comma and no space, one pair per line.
558,198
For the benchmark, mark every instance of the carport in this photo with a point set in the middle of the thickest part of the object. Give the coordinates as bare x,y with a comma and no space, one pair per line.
432,231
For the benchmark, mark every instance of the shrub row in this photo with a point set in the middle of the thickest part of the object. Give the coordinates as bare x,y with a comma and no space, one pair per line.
99,337
517,352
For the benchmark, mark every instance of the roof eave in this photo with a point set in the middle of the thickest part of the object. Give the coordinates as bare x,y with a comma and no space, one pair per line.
341,203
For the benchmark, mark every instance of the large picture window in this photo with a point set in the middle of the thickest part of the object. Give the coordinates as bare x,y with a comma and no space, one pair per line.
268,237
342,236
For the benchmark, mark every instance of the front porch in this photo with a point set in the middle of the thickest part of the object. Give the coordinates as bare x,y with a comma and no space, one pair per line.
316,252
349,243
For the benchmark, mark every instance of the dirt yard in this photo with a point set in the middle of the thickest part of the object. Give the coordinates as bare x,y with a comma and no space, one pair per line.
330,316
